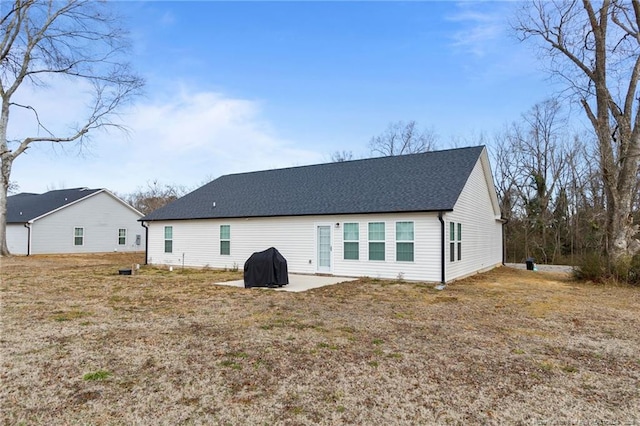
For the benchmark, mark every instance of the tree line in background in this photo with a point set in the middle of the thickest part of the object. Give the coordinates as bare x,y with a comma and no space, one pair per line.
552,192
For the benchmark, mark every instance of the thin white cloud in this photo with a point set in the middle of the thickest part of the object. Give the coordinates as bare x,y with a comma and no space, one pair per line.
482,27
181,137
167,19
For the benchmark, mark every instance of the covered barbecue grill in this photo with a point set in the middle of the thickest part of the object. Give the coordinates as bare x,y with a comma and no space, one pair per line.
266,269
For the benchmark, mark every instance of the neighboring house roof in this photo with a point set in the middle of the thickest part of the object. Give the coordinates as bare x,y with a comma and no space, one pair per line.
430,181
27,207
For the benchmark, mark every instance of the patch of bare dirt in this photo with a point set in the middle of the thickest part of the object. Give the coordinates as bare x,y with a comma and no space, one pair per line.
80,344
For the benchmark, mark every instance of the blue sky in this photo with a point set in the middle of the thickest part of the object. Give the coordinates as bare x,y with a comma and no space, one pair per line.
243,86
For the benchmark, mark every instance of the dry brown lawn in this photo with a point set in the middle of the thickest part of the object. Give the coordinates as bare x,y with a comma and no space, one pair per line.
81,344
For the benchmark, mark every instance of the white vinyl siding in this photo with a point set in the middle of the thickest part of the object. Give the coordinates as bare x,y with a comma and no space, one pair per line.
17,238
295,238
478,242
100,215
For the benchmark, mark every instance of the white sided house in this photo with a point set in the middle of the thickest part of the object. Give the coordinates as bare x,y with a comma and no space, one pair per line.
78,220
429,217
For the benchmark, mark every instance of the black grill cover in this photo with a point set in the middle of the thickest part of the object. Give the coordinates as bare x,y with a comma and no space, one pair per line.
266,269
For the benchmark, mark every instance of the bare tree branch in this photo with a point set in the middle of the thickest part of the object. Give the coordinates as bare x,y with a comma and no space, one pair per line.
594,46
401,138
78,39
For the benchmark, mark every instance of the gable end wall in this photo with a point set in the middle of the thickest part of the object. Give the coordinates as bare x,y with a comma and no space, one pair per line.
100,215
481,231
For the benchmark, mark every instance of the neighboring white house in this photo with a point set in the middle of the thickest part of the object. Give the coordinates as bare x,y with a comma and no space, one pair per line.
430,217
78,220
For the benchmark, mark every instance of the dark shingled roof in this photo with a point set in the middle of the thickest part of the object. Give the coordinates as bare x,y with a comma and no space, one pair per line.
24,207
429,181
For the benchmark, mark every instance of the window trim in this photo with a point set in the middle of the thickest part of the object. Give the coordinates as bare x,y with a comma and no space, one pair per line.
346,241
170,239
225,240
76,236
383,241
459,240
411,241
455,241
122,237
452,243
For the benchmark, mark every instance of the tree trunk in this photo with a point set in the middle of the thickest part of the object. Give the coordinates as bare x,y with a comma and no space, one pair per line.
5,172
618,171
6,161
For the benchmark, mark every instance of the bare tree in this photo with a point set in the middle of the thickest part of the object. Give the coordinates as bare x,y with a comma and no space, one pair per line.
531,166
340,156
403,138
594,48
41,40
154,196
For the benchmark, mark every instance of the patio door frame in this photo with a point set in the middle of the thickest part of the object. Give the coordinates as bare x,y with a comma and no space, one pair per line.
323,269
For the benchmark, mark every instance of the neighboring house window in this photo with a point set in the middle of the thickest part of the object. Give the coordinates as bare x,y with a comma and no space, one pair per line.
168,239
404,241
351,241
376,241
225,239
122,236
78,236
455,241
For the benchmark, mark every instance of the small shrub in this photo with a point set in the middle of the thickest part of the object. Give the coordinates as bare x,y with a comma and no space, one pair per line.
633,276
627,270
591,268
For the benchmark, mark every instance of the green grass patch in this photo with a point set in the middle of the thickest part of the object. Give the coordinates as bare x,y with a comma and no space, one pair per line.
97,375
69,315
231,364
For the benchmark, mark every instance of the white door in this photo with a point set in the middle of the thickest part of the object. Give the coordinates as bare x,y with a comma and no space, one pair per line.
324,248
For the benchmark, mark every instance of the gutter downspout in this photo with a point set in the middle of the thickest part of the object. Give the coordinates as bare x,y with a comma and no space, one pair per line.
146,242
28,226
443,283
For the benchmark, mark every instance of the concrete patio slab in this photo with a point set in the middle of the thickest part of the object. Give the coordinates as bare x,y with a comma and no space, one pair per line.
298,282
